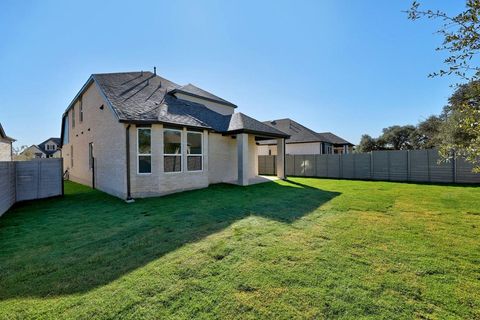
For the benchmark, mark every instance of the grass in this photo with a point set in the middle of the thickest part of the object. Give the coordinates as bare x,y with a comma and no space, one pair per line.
304,248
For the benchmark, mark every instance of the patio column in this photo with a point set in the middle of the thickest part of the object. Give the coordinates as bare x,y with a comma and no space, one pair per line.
281,158
242,154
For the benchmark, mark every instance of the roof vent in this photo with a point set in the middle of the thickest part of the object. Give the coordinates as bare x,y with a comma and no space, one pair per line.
154,71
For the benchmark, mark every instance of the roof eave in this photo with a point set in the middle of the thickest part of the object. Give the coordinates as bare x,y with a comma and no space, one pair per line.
173,124
259,133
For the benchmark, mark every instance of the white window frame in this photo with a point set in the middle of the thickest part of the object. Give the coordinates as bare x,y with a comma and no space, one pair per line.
143,154
194,155
173,154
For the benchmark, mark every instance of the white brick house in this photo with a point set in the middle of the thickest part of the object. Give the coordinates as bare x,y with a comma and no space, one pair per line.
136,134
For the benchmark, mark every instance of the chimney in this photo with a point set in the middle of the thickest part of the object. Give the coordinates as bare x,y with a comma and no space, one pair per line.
154,71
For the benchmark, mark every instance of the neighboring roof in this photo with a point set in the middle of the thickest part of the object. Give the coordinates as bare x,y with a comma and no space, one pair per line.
301,134
334,139
33,146
41,146
195,91
3,135
143,97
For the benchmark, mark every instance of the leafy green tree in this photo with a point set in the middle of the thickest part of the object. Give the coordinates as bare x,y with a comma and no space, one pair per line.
367,144
461,39
461,131
397,137
427,134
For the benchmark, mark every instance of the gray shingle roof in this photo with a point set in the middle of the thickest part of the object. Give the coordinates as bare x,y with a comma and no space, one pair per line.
193,90
299,133
332,138
147,98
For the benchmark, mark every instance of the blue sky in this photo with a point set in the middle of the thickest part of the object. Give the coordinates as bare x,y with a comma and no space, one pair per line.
350,67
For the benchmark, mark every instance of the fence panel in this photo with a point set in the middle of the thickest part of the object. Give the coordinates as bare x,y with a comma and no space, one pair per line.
419,166
28,180
7,185
441,171
398,165
380,165
322,165
464,172
362,163
333,165
402,165
348,166
309,165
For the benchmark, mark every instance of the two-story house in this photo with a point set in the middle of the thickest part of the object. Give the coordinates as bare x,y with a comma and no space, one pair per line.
136,134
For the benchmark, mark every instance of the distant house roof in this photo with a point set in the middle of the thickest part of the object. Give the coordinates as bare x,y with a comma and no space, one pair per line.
332,138
301,134
143,97
3,135
41,146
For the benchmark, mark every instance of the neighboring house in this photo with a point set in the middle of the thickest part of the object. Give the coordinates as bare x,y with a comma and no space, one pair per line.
304,141
6,150
136,134
50,148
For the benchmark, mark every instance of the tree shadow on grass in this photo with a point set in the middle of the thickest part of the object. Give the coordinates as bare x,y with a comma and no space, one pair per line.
87,238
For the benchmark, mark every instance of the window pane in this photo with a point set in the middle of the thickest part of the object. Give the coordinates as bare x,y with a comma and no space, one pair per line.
194,143
194,163
144,141
172,142
144,164
172,163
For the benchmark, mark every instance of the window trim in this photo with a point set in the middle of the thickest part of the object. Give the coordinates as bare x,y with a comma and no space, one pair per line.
173,154
194,155
144,154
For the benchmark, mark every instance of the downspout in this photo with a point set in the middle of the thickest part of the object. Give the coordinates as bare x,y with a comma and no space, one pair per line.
127,148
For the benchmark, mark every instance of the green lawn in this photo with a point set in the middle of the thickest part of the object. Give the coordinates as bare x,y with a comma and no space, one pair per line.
306,248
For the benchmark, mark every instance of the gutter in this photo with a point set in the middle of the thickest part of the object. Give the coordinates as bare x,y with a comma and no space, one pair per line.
127,163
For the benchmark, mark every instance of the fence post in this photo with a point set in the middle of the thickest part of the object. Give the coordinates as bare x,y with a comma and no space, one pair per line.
354,166
454,166
371,165
340,164
408,165
39,176
428,165
388,166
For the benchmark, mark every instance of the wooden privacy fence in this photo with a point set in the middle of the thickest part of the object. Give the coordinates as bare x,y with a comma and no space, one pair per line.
402,165
28,180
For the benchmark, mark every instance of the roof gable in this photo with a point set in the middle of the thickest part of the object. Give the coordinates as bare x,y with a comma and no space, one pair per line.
195,91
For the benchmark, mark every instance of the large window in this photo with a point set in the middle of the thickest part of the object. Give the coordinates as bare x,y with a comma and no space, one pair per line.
144,150
172,150
194,151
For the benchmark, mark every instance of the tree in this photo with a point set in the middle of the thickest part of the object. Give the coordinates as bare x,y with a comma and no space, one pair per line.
461,131
397,137
427,134
461,39
22,153
367,144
